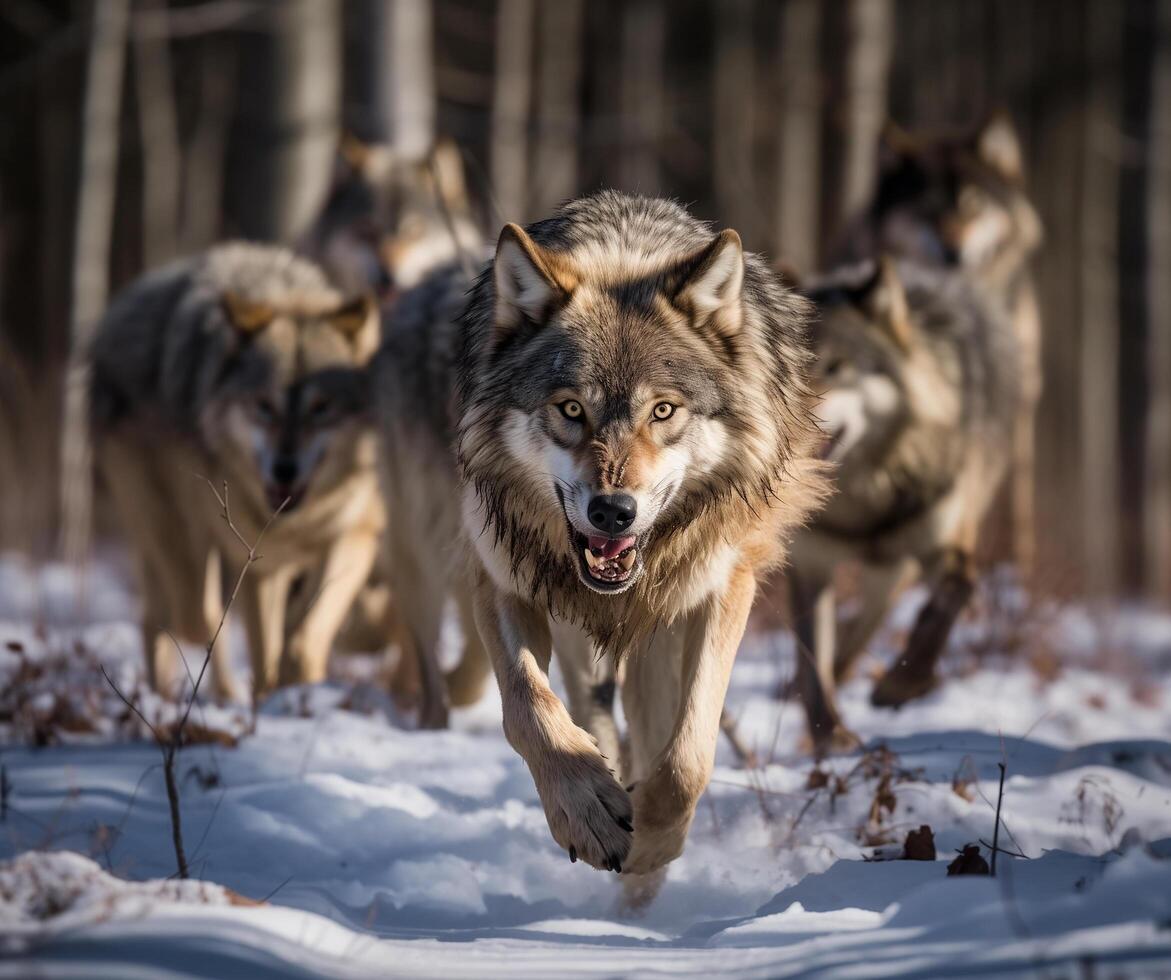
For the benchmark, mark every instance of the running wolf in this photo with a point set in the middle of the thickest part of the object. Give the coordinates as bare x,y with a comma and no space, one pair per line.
243,366
389,221
918,382
615,435
962,202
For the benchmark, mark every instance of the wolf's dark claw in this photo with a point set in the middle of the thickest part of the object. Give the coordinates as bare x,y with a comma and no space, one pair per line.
615,866
572,854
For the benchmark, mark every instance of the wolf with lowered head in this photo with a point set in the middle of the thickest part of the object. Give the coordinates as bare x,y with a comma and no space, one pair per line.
242,366
633,444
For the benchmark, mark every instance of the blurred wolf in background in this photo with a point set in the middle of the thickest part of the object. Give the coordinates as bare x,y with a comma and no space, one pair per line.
962,202
919,381
617,438
242,367
389,221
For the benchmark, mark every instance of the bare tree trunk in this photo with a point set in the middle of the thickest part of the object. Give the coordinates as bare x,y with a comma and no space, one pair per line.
1099,303
868,45
732,149
159,130
95,211
558,103
511,101
1157,469
799,136
203,175
406,95
643,33
288,130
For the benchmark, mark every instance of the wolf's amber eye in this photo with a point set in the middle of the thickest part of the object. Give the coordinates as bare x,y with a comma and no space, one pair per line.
572,410
663,410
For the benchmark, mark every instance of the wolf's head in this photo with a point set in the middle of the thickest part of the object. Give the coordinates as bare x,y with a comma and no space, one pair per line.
863,342
955,201
611,390
390,220
292,402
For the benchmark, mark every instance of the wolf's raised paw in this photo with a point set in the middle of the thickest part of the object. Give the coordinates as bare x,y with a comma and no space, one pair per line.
589,813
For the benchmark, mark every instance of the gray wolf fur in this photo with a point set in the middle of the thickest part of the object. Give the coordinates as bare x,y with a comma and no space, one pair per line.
961,202
620,425
918,382
390,220
243,366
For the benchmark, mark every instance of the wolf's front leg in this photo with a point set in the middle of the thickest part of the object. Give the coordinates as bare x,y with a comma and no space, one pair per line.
347,569
666,798
587,810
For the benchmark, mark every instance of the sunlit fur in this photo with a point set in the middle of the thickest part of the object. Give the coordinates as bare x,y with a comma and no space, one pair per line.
242,367
737,469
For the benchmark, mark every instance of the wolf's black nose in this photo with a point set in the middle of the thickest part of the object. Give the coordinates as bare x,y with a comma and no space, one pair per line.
612,512
284,470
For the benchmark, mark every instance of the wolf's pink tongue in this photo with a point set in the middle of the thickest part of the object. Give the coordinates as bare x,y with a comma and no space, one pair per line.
604,547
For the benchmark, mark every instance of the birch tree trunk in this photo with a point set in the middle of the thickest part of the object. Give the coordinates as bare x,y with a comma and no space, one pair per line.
159,131
288,129
561,26
869,39
643,30
95,211
1157,468
1099,303
511,101
732,149
798,178
406,93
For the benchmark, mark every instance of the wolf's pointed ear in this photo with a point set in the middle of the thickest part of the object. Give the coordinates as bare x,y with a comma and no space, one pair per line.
884,299
998,145
358,321
246,315
711,290
526,285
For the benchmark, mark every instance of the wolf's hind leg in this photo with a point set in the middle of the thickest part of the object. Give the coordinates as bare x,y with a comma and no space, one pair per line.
589,686
467,680
879,584
815,625
420,592
913,674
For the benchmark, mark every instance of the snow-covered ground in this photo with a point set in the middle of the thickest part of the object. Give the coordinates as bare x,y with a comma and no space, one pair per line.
335,841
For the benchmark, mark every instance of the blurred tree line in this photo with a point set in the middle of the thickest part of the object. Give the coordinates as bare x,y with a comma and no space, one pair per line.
217,118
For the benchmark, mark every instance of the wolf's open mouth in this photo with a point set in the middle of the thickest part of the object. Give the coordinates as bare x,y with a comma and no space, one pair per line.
608,561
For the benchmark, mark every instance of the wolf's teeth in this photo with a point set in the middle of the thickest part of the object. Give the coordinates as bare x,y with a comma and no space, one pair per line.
592,561
626,559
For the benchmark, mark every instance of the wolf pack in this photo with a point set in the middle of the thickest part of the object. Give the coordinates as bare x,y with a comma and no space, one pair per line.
593,440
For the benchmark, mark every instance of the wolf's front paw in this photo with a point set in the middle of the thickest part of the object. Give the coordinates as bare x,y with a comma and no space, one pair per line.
588,812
